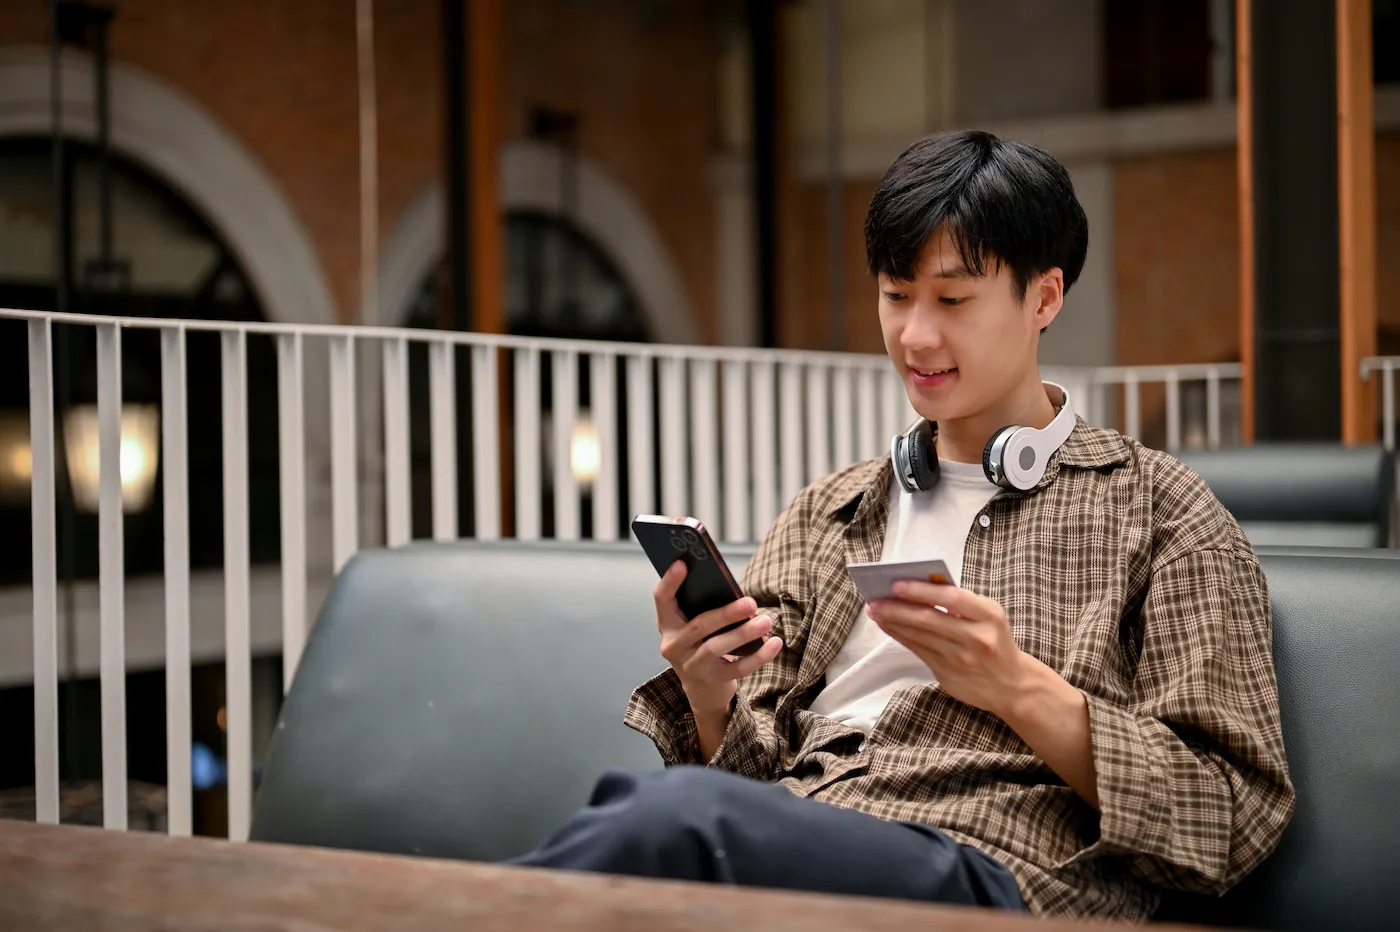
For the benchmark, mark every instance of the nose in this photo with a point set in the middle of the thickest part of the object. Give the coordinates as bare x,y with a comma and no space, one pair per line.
922,331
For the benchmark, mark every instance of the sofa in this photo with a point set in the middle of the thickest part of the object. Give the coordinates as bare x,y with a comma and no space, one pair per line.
1312,494
459,700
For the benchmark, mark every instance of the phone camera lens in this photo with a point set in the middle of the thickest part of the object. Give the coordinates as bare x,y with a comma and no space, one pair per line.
678,542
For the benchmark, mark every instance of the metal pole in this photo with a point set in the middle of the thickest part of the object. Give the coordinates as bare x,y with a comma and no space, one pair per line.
60,247
454,57
62,254
104,150
763,39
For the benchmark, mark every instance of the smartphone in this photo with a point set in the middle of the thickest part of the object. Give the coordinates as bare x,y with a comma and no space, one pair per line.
708,582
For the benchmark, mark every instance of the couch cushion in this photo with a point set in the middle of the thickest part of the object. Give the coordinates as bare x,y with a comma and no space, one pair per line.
460,700
1337,653
1303,493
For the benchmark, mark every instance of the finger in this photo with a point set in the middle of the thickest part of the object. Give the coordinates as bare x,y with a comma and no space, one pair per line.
922,640
956,600
758,659
927,625
729,641
668,613
707,623
898,611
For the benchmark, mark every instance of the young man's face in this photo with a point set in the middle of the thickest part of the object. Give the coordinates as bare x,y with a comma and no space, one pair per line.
963,344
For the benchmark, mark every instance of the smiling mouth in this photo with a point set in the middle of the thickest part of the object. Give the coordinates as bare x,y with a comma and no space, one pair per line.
929,373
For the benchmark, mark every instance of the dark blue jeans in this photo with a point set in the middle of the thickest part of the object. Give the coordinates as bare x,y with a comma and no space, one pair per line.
697,823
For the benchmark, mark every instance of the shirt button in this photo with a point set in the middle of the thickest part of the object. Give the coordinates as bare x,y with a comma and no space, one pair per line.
862,747
985,521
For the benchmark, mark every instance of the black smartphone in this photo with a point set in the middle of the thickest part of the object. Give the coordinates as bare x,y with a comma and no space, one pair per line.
708,582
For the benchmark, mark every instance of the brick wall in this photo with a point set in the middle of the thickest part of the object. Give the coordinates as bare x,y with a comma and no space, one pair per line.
1177,243
281,76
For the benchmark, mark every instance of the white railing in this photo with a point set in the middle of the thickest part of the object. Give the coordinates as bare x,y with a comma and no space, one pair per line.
726,434
1386,367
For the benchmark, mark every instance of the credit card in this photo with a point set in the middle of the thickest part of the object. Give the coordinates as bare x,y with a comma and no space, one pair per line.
876,580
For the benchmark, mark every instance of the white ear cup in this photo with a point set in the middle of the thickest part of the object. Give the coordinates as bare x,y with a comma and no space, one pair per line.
1016,457
1022,459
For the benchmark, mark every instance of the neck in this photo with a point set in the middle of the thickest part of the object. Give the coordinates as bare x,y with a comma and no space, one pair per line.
962,440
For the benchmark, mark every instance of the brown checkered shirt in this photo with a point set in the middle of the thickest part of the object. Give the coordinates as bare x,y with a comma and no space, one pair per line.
1122,572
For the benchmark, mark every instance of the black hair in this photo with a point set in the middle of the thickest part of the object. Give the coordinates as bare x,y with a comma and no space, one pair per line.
998,200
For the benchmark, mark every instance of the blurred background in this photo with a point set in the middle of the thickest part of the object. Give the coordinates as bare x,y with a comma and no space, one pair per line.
648,171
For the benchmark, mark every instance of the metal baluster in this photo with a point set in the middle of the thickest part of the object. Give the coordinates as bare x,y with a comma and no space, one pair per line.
398,493
737,466
111,576
527,444
602,376
765,449
175,478
44,542
238,671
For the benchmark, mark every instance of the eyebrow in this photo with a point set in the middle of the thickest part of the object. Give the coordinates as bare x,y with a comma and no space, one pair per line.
956,272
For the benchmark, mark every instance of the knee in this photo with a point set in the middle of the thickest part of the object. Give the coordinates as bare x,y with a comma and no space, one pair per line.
658,808
654,798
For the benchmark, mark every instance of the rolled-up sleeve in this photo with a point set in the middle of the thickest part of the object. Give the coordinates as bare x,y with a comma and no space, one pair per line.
751,746
1193,783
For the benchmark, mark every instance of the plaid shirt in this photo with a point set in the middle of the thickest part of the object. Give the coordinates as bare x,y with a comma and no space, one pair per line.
1122,572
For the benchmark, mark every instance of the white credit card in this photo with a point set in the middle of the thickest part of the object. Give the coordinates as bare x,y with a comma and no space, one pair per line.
876,580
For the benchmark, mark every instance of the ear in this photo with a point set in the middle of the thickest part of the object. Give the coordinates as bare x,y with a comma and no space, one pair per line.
1045,296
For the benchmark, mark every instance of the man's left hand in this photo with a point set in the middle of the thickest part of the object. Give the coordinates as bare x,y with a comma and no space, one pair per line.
968,646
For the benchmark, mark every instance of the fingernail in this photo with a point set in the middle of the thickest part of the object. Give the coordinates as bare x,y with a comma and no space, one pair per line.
765,623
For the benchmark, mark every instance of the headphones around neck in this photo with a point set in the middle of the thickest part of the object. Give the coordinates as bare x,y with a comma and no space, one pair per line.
1015,457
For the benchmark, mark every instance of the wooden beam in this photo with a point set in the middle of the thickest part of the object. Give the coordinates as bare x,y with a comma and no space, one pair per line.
1244,170
486,222
1356,205
483,153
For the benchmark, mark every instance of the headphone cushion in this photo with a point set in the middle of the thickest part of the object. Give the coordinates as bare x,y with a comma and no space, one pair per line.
987,452
923,462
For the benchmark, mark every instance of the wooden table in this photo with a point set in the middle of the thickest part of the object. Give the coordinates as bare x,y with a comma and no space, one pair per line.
69,877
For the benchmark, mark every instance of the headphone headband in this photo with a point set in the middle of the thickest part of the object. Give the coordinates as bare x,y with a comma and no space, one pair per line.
1014,458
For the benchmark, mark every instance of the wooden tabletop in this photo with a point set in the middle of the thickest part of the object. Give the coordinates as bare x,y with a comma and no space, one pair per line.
70,877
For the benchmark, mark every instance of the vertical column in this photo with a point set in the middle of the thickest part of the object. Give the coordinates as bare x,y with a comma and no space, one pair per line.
1356,202
483,152
1244,174
1297,352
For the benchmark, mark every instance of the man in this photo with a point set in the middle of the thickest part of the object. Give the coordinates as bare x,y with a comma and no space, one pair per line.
1090,716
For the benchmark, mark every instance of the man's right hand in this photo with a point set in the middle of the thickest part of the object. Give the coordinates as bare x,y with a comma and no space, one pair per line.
707,674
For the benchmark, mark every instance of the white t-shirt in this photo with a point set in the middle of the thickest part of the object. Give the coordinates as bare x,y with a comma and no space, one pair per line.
871,666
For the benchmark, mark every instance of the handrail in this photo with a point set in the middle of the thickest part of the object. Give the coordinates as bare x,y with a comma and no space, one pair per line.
729,434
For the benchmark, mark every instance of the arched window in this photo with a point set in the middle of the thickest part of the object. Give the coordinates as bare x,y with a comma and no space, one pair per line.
559,284
167,262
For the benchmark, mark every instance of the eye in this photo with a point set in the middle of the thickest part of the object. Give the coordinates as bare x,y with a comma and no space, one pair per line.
951,301
896,296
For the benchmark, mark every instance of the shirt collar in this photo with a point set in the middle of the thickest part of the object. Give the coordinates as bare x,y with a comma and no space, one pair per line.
860,488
